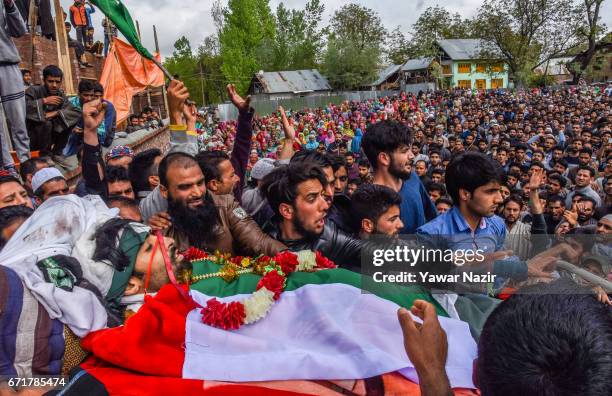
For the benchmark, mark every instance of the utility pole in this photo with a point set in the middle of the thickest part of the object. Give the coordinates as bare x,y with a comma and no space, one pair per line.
202,84
164,85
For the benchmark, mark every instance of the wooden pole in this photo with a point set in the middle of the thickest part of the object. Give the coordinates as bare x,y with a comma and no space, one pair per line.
32,22
62,48
163,69
143,65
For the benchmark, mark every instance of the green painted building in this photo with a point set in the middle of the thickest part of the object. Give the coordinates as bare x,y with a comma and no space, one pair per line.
463,66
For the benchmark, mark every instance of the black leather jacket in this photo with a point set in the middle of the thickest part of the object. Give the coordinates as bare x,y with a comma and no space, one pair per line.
333,243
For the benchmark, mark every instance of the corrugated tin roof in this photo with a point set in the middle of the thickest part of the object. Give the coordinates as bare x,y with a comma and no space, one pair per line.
293,81
417,64
386,73
462,49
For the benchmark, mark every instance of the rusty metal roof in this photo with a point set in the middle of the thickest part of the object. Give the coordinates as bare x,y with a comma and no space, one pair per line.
293,81
385,74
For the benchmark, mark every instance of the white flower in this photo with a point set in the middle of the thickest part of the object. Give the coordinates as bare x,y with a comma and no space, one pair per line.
258,305
307,260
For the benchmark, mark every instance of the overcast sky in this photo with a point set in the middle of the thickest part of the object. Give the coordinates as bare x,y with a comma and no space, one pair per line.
191,18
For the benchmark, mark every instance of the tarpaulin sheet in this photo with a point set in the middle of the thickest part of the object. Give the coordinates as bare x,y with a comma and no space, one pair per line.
125,74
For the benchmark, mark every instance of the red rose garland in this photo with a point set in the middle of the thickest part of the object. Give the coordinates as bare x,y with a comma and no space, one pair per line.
232,315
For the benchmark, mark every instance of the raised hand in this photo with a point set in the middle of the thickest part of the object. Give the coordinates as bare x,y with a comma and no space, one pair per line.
535,180
177,95
240,103
287,125
426,346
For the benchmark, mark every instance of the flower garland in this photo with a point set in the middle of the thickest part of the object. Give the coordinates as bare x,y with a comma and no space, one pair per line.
274,271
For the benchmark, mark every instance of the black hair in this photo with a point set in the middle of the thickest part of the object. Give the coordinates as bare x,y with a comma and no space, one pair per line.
589,199
563,163
349,154
556,198
548,339
514,198
444,200
209,162
25,71
281,185
67,24
562,181
107,244
9,179
338,162
10,214
28,167
385,136
586,150
536,163
98,87
147,109
52,71
439,171
586,167
86,85
322,160
521,146
355,180
123,202
436,187
469,171
370,201
174,159
364,162
116,174
142,167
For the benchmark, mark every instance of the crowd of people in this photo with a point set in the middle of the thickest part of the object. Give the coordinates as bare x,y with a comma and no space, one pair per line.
485,168
524,176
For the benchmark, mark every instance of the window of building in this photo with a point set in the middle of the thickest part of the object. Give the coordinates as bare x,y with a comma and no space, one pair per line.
465,67
497,68
446,69
481,68
481,84
465,84
497,83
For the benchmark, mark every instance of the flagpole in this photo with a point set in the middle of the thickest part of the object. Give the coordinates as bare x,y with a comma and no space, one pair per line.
164,85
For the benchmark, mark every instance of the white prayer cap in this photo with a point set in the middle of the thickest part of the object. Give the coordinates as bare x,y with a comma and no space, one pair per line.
43,176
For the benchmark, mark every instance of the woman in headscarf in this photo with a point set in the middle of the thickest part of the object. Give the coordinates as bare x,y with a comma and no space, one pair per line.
329,138
356,143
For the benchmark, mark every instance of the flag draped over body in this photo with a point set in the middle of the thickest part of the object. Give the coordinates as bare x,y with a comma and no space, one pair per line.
323,328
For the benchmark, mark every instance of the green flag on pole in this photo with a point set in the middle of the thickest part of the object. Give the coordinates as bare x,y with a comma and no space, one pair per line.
120,16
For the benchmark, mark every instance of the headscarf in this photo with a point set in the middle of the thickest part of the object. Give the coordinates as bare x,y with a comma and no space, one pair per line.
356,143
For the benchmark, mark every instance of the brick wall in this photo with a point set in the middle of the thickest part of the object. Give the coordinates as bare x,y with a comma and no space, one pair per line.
44,53
141,101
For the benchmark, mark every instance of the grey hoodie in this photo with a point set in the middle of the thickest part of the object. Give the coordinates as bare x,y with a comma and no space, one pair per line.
11,25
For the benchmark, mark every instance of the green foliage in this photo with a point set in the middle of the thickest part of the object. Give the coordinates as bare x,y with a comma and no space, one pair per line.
298,39
525,33
201,72
399,49
247,32
437,23
354,47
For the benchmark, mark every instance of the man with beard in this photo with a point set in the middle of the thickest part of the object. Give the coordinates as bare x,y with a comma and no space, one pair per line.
387,147
556,207
297,195
376,210
204,220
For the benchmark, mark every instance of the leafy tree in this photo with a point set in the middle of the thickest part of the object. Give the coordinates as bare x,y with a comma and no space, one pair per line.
591,31
399,49
297,42
437,23
524,33
247,31
201,72
354,47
